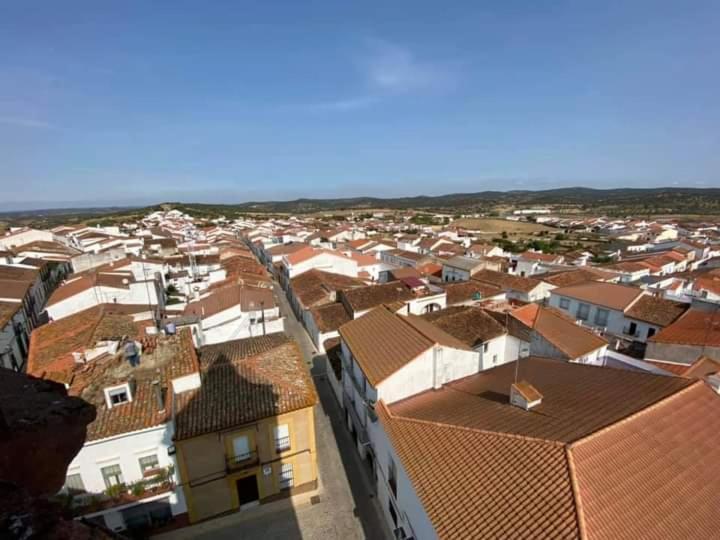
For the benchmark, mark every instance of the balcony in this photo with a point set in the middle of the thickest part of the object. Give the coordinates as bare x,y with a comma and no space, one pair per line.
79,503
241,461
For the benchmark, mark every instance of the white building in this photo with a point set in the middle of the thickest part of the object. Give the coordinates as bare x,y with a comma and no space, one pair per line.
125,476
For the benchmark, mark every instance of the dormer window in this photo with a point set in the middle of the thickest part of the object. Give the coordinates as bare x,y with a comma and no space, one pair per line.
117,395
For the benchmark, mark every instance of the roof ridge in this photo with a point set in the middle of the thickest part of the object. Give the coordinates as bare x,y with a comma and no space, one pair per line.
575,489
500,434
632,416
406,320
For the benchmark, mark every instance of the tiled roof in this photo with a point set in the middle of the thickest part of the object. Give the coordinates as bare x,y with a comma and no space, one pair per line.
655,474
244,381
472,326
635,458
315,287
163,358
695,327
575,277
14,290
476,484
51,345
562,332
219,300
578,399
464,263
610,295
464,291
82,282
506,281
382,343
330,317
370,296
653,310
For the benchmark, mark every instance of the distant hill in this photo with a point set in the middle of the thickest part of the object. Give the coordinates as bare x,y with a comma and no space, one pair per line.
652,200
614,202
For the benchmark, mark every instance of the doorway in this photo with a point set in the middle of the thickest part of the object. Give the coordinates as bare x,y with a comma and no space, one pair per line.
247,490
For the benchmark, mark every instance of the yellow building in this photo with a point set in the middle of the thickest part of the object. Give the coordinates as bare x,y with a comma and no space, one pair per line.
246,435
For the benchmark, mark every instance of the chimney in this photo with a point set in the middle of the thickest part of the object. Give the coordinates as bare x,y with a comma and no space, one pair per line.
159,393
524,395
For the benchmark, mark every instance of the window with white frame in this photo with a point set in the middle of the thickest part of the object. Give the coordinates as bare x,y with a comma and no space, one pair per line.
74,483
282,437
583,312
564,303
286,476
149,463
112,474
117,395
485,347
601,317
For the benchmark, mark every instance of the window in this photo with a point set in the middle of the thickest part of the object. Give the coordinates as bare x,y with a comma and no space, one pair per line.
74,483
583,312
117,395
651,332
601,317
112,475
392,476
494,358
564,303
485,347
286,476
241,448
149,463
393,513
282,437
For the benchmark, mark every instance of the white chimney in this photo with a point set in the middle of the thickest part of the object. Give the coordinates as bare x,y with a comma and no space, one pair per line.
525,395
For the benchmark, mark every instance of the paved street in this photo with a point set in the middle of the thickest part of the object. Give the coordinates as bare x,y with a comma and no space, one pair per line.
346,510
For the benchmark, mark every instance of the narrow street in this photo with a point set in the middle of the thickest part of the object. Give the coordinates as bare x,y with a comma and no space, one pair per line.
345,506
341,472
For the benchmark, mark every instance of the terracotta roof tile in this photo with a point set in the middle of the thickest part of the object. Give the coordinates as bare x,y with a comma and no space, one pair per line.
464,291
472,326
695,327
610,295
330,317
578,399
664,486
370,296
653,310
635,460
563,333
506,281
244,381
316,287
382,343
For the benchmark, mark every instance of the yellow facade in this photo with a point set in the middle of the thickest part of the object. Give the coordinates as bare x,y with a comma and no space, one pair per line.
210,471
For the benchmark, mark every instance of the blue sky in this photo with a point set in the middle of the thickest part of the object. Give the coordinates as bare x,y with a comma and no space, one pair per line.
135,102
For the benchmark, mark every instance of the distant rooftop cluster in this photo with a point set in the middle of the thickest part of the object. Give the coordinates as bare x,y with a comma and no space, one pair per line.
533,374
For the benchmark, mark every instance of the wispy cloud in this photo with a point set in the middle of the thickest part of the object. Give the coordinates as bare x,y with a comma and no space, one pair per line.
387,70
25,122
393,68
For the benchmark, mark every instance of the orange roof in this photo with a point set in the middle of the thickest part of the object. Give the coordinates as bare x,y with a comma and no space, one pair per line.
563,333
610,295
695,327
482,467
382,342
